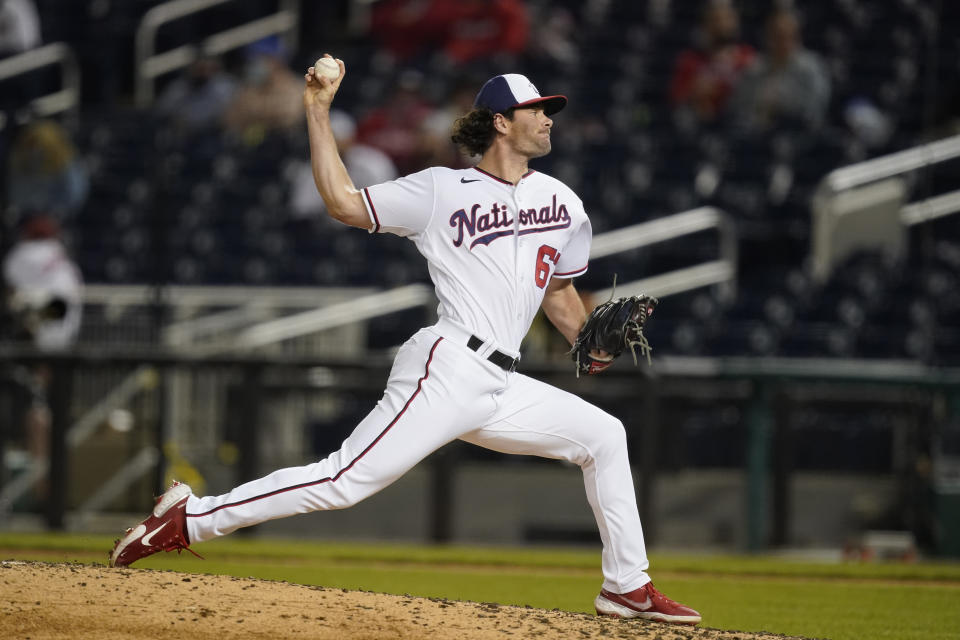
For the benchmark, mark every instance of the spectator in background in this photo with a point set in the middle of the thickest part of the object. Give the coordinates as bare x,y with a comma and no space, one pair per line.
270,98
43,305
396,128
197,100
705,77
461,30
43,285
787,86
45,173
365,164
19,27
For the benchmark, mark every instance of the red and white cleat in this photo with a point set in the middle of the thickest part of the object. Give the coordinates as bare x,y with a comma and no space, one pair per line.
647,603
165,529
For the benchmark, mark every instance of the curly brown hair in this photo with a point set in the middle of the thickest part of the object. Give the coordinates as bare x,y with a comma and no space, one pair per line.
474,131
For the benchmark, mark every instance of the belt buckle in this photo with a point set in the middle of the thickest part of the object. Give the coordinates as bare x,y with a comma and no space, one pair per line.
513,364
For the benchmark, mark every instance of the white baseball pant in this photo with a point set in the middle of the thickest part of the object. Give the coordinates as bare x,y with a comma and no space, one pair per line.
438,391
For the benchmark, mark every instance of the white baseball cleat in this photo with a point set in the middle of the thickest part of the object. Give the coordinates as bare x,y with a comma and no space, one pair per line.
165,529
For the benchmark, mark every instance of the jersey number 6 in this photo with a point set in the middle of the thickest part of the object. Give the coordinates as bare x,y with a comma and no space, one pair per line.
543,269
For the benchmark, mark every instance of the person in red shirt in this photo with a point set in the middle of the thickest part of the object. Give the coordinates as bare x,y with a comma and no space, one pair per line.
396,127
704,78
462,30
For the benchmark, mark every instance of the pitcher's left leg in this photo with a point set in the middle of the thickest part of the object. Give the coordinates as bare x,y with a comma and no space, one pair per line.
537,419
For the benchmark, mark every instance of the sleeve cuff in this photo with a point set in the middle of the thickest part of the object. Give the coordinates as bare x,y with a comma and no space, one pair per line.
570,274
371,211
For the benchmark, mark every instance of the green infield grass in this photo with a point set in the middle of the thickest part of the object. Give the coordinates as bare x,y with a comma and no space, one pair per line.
748,593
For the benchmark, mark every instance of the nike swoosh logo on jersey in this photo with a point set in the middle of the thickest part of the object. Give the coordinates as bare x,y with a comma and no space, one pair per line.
465,181
145,540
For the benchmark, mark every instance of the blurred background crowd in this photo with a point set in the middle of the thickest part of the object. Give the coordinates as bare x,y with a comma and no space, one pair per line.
197,173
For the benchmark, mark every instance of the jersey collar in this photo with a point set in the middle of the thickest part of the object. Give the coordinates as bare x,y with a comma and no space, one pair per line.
501,180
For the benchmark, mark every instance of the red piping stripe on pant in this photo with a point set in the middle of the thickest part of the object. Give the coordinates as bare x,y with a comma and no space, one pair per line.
336,476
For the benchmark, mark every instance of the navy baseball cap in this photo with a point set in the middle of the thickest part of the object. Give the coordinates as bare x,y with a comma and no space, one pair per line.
514,90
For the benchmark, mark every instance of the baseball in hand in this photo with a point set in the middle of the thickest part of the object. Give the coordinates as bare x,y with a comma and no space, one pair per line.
327,68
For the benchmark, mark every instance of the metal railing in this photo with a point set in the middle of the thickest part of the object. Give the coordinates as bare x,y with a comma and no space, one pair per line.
893,164
67,99
335,315
865,205
149,64
931,208
899,163
722,271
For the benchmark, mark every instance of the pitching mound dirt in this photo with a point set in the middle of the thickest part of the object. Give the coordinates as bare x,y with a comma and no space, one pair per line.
45,601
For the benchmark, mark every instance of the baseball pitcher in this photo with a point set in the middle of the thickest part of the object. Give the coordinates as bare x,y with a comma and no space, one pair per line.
501,241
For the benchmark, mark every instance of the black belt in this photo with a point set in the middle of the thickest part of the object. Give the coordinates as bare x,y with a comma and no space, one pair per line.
498,358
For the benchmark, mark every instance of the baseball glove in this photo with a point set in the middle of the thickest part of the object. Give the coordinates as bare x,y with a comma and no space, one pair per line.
612,327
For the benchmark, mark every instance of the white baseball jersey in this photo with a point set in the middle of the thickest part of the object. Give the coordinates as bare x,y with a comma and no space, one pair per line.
492,247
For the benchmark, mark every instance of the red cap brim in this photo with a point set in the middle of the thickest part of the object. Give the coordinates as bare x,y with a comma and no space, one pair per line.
551,104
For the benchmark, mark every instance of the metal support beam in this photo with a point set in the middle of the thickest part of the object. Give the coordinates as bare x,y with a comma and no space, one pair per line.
760,429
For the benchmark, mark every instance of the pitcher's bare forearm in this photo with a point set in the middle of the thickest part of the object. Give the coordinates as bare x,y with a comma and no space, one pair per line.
563,307
344,202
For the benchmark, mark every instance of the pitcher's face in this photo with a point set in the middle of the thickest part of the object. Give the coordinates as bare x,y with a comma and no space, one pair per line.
530,132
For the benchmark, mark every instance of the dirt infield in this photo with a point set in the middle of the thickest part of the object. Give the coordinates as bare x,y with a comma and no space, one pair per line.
43,601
